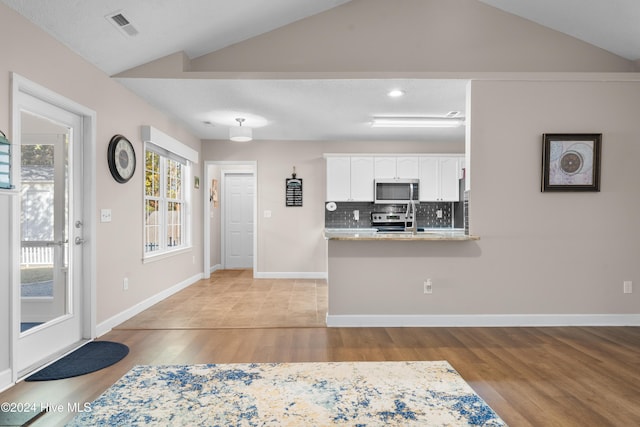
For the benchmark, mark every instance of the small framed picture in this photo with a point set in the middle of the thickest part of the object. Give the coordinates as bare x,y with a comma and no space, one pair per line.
196,182
571,161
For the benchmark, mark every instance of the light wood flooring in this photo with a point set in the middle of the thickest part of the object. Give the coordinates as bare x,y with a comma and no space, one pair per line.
565,376
233,299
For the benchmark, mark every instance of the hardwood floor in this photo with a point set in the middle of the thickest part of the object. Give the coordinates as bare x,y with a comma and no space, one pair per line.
565,376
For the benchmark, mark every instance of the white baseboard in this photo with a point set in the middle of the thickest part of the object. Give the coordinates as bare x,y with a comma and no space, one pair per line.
215,268
6,380
119,318
483,320
291,275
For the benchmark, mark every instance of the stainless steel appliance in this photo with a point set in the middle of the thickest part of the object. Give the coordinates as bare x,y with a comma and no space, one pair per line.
396,191
392,222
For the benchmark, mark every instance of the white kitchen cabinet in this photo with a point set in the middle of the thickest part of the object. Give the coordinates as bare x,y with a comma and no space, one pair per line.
439,177
429,179
397,167
338,178
385,167
362,179
349,179
407,167
449,176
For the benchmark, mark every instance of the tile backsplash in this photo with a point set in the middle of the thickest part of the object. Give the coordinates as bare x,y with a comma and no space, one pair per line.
343,216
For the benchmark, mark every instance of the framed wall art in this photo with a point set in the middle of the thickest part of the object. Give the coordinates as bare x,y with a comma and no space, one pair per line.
571,161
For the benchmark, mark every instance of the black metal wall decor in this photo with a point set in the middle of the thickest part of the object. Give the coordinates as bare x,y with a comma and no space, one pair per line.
293,192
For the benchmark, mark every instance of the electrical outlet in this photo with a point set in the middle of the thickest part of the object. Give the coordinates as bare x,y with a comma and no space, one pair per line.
125,284
105,215
428,286
627,286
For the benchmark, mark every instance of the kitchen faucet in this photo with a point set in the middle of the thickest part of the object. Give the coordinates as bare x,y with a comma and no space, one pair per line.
410,215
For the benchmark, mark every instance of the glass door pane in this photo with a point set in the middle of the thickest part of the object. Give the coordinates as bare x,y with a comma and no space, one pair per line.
44,221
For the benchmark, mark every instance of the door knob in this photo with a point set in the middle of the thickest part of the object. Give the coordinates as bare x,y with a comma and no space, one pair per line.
79,240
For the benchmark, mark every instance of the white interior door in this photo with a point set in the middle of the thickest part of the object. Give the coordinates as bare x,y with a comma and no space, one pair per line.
238,208
50,293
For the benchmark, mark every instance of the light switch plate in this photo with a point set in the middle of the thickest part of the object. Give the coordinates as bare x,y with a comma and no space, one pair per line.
105,215
267,214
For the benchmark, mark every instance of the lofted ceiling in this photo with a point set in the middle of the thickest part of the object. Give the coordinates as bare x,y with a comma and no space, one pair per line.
288,109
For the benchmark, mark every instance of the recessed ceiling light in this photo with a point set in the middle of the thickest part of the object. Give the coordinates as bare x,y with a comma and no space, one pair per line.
395,93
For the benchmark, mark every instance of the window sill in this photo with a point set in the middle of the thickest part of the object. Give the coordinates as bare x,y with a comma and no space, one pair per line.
164,255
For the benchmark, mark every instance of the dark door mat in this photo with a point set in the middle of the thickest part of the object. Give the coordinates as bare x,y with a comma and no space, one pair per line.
89,358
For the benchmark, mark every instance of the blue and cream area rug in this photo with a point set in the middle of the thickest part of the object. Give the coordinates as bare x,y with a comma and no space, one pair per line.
291,394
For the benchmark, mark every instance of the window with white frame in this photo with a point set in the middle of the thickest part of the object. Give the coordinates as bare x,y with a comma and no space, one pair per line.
166,199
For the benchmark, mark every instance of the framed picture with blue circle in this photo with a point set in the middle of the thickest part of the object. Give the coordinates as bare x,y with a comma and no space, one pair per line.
571,161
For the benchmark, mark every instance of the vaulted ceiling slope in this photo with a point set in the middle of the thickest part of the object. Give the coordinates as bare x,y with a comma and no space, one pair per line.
390,34
405,36
609,24
164,26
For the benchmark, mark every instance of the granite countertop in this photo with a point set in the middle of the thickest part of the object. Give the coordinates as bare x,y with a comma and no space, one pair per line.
445,234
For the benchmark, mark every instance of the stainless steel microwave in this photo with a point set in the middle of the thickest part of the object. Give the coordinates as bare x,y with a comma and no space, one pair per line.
396,191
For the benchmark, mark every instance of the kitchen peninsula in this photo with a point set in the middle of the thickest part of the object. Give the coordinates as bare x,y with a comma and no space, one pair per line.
392,279
371,234
395,229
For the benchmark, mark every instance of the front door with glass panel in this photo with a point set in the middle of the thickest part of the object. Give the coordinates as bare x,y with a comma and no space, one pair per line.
50,233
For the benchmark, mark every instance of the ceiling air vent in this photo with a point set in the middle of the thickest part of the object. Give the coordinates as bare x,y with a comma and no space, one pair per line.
122,24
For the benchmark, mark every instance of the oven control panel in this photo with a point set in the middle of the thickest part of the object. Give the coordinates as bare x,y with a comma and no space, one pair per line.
389,217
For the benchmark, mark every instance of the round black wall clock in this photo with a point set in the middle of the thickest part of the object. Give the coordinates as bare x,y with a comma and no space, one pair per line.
121,158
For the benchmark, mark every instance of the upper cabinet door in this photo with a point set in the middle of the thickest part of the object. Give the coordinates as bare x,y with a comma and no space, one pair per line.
362,179
449,175
408,167
439,177
385,167
338,179
397,167
349,179
429,179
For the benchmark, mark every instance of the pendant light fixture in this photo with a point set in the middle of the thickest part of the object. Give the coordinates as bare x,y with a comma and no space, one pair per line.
239,133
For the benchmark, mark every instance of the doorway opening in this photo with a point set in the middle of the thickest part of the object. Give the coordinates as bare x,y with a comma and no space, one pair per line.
230,225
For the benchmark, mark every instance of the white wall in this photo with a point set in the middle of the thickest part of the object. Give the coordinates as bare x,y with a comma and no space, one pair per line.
32,53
